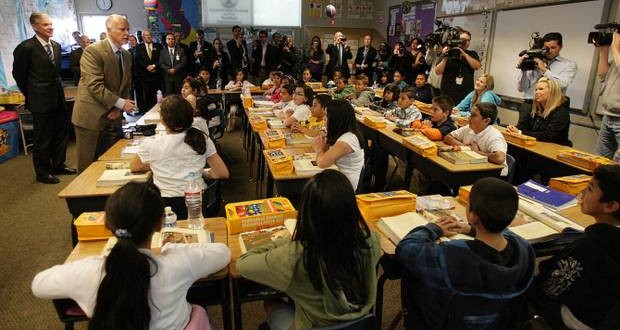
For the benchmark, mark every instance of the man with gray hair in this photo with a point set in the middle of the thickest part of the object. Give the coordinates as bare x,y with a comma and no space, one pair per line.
103,92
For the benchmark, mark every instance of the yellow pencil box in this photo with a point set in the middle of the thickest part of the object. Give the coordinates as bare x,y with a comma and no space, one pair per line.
375,122
385,204
258,214
90,226
571,184
583,159
279,160
258,123
520,139
421,145
464,193
275,139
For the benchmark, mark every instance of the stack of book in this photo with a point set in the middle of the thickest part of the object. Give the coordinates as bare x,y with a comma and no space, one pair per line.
275,123
121,177
275,139
549,197
520,139
306,165
583,159
463,157
571,184
375,122
397,227
421,145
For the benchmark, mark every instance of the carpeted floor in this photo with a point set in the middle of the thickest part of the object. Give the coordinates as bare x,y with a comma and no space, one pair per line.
34,235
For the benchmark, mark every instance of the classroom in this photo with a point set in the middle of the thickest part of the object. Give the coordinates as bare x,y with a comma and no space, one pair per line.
470,148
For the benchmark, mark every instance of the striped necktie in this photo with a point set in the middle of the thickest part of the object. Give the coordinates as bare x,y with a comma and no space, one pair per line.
48,50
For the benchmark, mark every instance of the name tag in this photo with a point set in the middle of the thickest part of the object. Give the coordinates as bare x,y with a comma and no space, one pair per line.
459,80
178,58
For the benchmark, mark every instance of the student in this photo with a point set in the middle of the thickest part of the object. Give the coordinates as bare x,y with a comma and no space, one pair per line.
344,143
480,135
399,80
385,78
496,265
441,123
273,93
205,75
190,88
549,120
299,111
406,112
239,82
578,288
389,102
483,92
328,268
423,91
362,96
147,288
335,76
268,83
286,98
172,156
316,123
306,76
343,89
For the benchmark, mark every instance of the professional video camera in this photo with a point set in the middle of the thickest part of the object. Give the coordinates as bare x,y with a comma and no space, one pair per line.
446,36
537,50
603,36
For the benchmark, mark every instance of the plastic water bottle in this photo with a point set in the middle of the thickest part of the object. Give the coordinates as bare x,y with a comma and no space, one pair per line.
193,201
218,85
160,96
246,91
170,218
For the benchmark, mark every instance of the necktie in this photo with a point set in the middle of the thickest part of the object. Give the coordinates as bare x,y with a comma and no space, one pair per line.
365,54
48,50
171,55
149,51
120,62
339,55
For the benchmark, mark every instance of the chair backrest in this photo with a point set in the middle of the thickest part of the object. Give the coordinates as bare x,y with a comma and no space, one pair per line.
512,168
468,312
364,323
212,198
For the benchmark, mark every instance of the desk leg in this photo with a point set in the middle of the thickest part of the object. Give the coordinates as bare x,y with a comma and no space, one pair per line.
381,162
269,185
408,173
379,300
226,312
237,304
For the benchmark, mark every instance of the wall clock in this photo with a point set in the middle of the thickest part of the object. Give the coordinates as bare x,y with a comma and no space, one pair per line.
104,5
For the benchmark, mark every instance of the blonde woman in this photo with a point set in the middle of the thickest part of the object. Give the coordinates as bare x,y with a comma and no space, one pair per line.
482,93
549,120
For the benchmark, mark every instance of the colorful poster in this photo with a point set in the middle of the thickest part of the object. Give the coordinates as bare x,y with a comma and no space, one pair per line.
315,9
425,19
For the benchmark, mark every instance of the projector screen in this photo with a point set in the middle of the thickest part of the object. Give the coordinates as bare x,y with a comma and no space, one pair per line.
254,13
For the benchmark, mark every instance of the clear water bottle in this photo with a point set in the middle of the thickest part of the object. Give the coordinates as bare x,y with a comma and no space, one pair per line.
193,200
160,96
245,90
218,85
170,218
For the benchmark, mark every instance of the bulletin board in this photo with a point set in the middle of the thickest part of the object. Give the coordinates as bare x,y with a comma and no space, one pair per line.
410,20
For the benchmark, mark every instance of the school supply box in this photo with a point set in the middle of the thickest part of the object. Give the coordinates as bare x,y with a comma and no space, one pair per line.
383,204
90,226
279,161
258,214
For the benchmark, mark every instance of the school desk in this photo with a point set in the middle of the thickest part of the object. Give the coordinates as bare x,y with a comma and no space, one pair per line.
115,151
287,184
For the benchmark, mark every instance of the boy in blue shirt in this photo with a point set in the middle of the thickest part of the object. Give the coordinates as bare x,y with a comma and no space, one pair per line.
448,279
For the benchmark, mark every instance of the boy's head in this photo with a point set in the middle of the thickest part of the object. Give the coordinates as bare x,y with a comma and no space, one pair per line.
361,82
482,115
420,80
204,74
391,93
319,105
441,109
407,97
337,74
286,93
306,75
493,203
341,83
398,76
601,199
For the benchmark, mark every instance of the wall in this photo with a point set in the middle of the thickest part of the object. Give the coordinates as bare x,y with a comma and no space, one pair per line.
9,39
132,9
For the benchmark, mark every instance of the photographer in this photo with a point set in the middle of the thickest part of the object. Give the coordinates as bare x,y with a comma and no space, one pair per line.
609,73
402,61
339,52
458,72
553,66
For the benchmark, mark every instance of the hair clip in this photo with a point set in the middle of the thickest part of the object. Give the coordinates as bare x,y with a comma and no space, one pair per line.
122,233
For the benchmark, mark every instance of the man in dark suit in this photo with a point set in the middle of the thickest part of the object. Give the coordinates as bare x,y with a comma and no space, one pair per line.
103,92
36,69
265,56
365,58
76,55
147,69
136,84
238,50
200,51
173,61
339,52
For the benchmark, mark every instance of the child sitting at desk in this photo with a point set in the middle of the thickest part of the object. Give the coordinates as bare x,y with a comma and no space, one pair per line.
406,112
343,89
578,288
273,93
445,281
362,96
481,136
385,78
399,80
306,76
337,74
391,94
328,268
205,75
190,88
239,82
423,92
316,123
344,143
172,156
441,123
299,111
286,99
133,287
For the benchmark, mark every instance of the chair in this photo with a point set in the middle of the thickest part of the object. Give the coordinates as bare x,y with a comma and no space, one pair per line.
25,125
512,167
364,323
212,198
69,312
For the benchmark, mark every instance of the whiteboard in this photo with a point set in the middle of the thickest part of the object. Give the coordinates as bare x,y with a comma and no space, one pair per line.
512,35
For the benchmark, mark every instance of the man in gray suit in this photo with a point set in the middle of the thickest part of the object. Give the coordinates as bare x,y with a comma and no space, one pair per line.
36,69
172,61
103,92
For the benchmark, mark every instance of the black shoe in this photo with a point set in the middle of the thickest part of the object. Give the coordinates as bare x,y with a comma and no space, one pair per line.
48,179
64,170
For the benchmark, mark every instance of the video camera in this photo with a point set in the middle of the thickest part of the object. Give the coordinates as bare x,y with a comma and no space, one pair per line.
446,36
537,50
603,36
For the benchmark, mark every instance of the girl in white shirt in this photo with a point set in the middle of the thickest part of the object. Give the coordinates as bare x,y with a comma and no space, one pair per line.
344,143
133,287
190,91
300,109
239,82
172,156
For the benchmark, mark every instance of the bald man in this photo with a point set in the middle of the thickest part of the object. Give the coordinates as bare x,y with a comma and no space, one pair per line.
339,52
103,92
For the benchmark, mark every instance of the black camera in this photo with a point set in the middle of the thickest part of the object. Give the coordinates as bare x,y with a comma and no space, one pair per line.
537,50
603,36
446,36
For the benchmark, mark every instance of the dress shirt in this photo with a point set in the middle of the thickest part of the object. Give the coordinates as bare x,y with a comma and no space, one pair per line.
561,69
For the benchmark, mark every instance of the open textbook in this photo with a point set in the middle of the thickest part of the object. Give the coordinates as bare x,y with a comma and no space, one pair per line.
256,238
170,235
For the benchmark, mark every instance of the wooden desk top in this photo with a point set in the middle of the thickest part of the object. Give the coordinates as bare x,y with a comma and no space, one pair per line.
215,225
114,153
291,151
150,117
85,184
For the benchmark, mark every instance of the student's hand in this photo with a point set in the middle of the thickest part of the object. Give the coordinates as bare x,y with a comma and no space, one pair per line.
453,226
427,123
521,58
474,146
319,144
455,111
296,128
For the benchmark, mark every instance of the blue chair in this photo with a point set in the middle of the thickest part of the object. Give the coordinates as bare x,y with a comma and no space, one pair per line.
364,323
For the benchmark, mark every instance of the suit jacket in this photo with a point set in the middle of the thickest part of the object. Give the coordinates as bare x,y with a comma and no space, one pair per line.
271,57
100,85
142,60
207,52
74,61
179,63
37,77
236,54
332,51
370,61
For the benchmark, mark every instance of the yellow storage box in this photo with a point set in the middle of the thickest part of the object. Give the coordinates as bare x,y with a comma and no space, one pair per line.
258,123
375,122
275,139
571,184
421,145
258,214
385,204
279,160
90,226
520,139
583,159
464,194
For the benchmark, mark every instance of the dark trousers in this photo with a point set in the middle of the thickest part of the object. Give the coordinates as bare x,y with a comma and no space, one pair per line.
149,94
137,91
173,84
50,140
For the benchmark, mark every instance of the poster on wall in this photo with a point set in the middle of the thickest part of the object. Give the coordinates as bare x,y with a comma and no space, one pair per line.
425,19
408,20
315,9
227,12
394,24
353,9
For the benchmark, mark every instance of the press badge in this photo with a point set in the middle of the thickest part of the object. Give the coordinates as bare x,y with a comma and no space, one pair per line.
179,58
459,80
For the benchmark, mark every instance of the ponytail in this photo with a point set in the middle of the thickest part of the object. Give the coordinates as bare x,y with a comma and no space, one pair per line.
196,139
